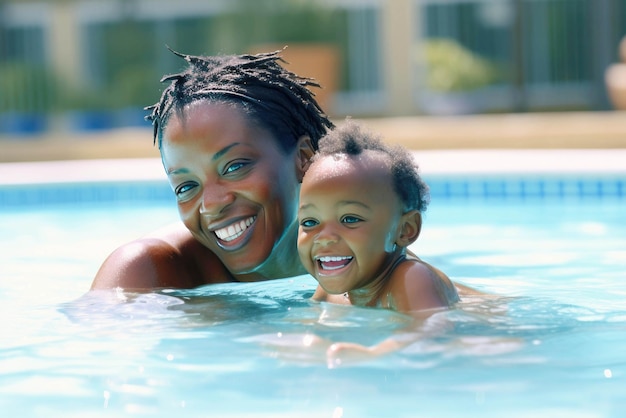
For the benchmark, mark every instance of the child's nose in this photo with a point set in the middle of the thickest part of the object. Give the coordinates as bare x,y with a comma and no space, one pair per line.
326,236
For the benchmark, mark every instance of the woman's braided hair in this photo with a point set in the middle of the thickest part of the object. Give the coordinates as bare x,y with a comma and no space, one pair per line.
272,96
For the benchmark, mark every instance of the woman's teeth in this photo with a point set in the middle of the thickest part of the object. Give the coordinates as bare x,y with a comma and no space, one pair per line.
235,230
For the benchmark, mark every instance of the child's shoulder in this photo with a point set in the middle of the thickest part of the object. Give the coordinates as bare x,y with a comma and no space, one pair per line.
414,274
421,285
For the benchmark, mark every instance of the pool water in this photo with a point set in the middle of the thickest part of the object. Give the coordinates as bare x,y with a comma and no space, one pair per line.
548,343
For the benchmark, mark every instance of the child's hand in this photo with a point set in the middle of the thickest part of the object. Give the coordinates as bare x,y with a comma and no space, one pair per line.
343,353
299,348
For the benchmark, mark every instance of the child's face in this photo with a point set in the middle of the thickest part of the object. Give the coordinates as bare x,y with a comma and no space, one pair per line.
349,219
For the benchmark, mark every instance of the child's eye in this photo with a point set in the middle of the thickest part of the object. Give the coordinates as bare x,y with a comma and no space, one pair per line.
350,219
308,223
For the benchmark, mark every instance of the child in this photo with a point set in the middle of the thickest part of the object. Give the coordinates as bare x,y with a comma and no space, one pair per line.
360,208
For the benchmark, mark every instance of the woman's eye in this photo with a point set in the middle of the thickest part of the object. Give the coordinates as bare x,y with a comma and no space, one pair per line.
308,223
234,166
184,189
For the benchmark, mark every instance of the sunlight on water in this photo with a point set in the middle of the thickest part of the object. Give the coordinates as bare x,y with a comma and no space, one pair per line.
547,340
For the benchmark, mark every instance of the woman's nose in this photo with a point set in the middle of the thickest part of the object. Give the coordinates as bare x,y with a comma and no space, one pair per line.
215,198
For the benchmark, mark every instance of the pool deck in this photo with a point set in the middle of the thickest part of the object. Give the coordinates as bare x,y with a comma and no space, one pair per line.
529,142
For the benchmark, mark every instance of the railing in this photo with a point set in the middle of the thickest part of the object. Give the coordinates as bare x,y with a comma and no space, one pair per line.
532,54
469,55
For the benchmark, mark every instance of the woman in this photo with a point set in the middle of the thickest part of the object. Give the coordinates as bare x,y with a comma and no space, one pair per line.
235,134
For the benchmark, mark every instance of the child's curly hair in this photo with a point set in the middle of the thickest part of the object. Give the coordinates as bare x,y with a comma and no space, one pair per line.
350,139
272,96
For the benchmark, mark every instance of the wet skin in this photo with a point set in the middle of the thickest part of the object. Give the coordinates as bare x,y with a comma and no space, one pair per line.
353,238
236,189
349,217
237,194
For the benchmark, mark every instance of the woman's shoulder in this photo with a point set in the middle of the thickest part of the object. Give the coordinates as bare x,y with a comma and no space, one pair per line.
167,258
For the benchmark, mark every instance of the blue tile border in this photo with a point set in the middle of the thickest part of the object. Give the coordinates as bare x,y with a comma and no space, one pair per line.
549,187
16,196
527,187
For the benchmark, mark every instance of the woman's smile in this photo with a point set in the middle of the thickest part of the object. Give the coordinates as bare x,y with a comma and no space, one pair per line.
234,230
235,135
219,165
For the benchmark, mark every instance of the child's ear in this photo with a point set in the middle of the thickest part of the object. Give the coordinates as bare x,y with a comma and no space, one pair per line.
410,227
304,153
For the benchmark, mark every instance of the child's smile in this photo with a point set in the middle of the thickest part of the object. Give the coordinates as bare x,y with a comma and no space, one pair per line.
349,217
333,265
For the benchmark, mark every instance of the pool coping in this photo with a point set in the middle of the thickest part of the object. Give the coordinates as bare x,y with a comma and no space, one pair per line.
484,162
526,130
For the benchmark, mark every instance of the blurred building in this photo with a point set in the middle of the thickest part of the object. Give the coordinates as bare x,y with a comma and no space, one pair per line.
95,63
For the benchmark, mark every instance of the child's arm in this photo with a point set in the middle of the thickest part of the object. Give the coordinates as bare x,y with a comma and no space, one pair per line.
343,352
425,324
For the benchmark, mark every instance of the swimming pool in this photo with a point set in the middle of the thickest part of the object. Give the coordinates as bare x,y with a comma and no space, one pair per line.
550,243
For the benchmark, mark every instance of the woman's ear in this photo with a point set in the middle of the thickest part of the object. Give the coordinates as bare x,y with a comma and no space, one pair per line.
410,227
304,153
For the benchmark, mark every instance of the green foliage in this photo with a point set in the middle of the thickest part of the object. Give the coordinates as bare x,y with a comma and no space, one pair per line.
256,22
86,98
131,57
126,73
452,68
27,88
135,87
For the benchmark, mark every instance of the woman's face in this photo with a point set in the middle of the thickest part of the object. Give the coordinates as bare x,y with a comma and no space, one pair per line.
236,188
